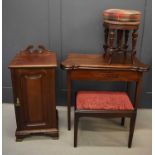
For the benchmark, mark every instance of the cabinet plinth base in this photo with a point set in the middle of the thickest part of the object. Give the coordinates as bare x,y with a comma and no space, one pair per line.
52,132
20,135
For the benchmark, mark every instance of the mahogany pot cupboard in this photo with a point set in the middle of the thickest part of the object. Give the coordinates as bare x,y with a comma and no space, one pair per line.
33,82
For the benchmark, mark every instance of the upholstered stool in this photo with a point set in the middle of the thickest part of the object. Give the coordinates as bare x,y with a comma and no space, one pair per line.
118,23
103,104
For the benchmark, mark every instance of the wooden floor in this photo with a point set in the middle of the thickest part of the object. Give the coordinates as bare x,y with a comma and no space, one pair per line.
96,136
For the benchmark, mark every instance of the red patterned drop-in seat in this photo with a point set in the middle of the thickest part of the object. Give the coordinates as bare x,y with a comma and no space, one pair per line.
103,100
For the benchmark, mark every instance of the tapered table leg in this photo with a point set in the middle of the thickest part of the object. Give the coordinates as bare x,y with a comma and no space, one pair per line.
133,118
69,95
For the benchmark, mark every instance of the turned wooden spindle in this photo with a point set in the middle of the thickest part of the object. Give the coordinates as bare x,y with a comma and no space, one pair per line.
134,42
111,44
105,46
126,39
126,42
119,39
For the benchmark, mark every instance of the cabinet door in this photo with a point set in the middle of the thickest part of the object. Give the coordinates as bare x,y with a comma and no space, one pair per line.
36,107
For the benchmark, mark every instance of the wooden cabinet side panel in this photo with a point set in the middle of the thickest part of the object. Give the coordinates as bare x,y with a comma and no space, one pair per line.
15,96
52,98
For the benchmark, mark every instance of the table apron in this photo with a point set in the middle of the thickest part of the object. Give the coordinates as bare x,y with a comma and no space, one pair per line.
104,75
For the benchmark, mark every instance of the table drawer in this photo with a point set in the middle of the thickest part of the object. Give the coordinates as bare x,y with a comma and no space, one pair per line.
105,75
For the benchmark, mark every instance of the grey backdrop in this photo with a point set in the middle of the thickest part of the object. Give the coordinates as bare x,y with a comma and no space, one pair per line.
70,25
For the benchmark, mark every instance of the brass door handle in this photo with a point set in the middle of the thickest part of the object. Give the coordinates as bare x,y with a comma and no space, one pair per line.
33,76
17,104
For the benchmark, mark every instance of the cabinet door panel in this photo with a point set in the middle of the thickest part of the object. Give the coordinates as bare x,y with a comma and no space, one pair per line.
33,96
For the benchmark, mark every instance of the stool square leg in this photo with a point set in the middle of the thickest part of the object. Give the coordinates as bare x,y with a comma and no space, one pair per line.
131,132
122,121
76,122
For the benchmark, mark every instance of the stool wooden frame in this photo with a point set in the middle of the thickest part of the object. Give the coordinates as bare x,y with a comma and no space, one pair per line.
109,39
106,114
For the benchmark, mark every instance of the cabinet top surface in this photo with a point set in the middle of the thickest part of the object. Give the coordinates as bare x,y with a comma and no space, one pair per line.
96,61
35,59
